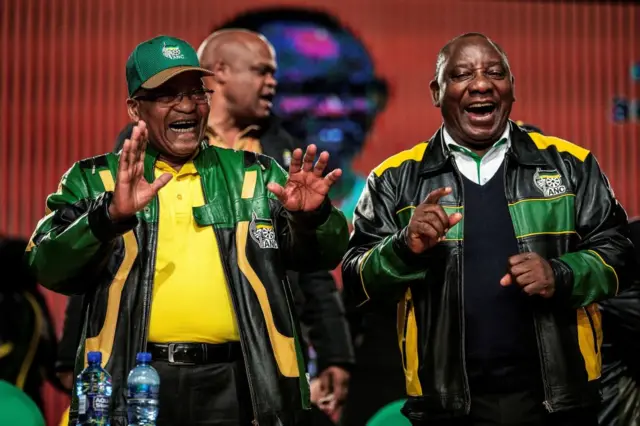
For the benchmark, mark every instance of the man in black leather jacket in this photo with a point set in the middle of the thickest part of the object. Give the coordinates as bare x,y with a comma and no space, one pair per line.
498,244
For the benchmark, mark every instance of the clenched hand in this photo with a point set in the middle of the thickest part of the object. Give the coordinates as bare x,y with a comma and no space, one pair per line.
531,272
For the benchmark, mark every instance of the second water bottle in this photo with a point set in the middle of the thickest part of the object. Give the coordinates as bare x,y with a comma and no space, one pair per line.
142,399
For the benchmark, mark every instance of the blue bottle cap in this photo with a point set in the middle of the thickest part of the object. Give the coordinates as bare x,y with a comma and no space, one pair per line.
94,357
143,357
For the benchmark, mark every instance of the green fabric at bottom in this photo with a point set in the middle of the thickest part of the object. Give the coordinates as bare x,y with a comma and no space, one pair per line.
390,415
16,408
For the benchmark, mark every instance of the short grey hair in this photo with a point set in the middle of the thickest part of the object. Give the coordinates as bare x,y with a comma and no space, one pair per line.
444,53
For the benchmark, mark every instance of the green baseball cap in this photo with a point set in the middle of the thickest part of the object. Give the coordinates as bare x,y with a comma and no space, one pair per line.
153,62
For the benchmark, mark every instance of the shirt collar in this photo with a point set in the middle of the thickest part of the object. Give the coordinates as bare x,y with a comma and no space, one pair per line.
187,169
216,139
504,142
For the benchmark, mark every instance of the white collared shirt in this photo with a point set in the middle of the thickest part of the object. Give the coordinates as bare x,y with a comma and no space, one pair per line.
475,168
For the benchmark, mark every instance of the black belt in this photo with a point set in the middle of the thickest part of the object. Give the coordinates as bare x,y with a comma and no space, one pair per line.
195,353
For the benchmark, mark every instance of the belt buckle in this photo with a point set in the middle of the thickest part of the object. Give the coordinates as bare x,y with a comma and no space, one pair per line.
171,350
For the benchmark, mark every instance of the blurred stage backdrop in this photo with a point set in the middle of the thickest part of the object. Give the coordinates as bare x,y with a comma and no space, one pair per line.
362,71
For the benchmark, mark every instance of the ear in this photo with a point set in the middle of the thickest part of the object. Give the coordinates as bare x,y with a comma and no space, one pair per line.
436,97
133,109
513,88
221,72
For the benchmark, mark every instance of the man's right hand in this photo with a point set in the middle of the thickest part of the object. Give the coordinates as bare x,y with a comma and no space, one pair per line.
133,192
429,223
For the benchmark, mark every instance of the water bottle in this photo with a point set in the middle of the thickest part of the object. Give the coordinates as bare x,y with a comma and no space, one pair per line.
143,385
93,389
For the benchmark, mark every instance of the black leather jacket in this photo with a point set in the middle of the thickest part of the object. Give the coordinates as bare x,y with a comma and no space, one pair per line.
562,208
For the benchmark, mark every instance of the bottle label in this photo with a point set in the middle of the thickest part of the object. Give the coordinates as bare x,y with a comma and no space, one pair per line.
82,404
101,403
143,392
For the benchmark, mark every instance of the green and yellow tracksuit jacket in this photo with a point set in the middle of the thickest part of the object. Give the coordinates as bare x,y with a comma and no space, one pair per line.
77,249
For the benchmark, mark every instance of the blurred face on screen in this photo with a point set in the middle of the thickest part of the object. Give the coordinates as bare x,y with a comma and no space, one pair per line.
475,92
327,92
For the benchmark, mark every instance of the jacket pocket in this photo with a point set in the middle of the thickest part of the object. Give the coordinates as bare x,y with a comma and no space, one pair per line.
589,323
408,342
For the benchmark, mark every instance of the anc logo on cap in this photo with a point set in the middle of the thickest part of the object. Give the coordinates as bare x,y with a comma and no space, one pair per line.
172,52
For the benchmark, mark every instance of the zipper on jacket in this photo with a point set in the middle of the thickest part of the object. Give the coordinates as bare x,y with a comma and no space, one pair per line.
593,330
463,351
545,383
146,317
234,302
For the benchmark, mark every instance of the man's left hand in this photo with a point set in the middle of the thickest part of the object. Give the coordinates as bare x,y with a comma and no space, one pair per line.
334,386
531,272
306,189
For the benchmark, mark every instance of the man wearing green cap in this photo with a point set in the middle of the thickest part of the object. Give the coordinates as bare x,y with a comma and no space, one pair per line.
181,251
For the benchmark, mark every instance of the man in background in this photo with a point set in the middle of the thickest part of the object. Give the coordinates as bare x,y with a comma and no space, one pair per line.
328,90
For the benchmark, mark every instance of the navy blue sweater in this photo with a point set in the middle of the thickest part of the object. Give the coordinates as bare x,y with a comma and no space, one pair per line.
500,339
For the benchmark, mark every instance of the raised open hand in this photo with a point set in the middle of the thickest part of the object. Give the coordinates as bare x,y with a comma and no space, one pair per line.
133,192
306,189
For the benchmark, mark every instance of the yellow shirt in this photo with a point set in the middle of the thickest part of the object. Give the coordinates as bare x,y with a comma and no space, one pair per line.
191,300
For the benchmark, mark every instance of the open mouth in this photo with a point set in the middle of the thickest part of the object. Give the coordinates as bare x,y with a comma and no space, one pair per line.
267,98
184,126
481,109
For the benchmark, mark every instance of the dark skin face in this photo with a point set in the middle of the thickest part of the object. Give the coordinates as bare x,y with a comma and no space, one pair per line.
174,130
246,79
475,92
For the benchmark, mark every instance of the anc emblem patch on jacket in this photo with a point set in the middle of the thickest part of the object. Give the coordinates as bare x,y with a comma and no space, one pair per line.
549,182
263,233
